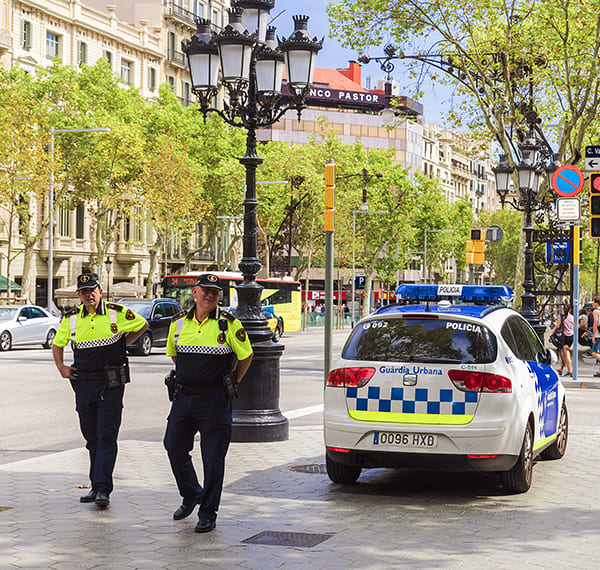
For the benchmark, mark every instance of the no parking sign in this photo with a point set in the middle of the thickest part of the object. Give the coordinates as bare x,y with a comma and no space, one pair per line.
568,181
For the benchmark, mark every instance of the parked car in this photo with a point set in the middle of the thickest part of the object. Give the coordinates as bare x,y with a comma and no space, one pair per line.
456,387
26,324
158,313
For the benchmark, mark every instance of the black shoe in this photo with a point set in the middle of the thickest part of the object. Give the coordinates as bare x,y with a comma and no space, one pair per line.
205,525
184,511
102,500
89,498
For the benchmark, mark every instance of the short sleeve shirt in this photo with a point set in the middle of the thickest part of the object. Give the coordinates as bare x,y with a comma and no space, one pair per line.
99,337
204,353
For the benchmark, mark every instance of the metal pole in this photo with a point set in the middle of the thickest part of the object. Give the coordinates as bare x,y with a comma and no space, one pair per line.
425,259
328,297
353,266
51,223
575,264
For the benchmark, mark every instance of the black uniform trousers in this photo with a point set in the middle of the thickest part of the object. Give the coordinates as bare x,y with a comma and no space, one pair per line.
100,412
210,415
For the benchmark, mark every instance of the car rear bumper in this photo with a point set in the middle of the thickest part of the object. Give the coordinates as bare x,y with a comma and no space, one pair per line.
427,461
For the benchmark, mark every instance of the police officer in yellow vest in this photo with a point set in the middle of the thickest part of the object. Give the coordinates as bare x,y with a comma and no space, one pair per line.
206,344
99,332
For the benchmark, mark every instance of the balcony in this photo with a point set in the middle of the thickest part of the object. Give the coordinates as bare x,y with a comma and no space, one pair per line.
176,12
4,39
176,57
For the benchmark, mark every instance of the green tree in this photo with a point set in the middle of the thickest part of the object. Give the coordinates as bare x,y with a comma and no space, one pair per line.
497,54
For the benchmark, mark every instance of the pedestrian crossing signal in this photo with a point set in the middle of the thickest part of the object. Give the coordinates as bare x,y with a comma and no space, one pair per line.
476,247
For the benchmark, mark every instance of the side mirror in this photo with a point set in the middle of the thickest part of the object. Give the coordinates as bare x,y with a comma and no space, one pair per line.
548,357
158,316
22,319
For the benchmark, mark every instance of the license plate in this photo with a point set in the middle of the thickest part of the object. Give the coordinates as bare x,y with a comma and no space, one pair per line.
394,439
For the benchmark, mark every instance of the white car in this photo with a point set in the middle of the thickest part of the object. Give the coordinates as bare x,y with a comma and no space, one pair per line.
26,324
448,387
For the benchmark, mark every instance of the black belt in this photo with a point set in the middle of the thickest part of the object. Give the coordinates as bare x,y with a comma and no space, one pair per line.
195,390
91,376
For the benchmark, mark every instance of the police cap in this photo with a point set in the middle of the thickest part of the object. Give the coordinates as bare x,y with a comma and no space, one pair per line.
87,281
209,280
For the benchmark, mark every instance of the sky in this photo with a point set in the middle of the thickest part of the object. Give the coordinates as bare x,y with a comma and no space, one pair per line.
334,56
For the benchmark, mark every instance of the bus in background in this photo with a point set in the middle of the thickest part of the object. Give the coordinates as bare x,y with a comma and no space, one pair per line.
283,295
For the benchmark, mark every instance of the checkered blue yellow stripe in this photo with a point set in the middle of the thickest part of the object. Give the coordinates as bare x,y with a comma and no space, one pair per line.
411,404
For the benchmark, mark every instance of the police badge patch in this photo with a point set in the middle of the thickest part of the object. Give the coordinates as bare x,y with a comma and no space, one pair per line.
241,335
129,315
221,338
114,328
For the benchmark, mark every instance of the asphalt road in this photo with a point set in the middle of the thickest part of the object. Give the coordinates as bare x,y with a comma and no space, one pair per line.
38,415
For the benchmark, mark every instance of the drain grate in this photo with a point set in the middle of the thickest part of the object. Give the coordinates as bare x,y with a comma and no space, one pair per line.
313,468
278,538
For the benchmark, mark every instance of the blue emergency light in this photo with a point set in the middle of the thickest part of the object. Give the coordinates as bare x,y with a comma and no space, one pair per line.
488,294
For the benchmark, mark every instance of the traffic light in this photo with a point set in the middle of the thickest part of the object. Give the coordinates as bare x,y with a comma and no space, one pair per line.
595,205
476,247
329,217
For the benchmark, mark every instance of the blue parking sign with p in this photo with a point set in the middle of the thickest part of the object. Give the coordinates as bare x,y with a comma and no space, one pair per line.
359,281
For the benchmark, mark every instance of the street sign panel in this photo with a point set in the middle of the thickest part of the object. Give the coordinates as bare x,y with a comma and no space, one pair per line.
592,157
360,281
558,252
568,180
494,233
592,151
568,209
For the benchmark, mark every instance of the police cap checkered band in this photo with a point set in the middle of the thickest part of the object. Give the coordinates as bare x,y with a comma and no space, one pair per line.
88,281
209,280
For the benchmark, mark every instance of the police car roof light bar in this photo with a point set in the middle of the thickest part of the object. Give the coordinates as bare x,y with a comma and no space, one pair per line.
480,294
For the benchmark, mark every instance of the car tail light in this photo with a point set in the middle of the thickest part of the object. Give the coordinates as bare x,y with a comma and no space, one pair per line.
339,449
482,456
471,381
350,377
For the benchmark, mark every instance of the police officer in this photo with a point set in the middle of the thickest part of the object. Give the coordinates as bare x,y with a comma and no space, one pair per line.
99,332
206,344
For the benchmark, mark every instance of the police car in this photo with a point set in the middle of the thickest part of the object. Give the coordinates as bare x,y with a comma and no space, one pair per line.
442,385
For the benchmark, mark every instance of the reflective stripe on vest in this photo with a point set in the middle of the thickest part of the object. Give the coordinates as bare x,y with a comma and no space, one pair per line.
112,314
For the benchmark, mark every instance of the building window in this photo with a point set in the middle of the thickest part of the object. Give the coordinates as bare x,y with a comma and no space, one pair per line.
82,53
52,45
215,20
79,221
199,10
126,71
25,34
109,57
152,79
171,82
64,222
186,93
172,43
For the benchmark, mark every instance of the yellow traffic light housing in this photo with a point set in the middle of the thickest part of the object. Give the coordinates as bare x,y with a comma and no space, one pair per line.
476,247
329,215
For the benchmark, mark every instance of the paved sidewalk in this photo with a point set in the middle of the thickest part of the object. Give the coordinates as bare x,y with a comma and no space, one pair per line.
391,518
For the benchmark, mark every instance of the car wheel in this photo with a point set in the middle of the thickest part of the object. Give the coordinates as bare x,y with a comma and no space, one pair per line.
277,333
49,338
518,479
340,472
559,447
5,341
145,345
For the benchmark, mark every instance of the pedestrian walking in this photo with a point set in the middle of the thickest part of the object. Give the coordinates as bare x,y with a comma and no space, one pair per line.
563,331
99,332
596,331
207,345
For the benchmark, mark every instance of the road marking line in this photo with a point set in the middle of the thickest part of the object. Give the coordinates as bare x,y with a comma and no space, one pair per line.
303,411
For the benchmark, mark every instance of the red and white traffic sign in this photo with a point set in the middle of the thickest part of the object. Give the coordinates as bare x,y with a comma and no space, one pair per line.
568,181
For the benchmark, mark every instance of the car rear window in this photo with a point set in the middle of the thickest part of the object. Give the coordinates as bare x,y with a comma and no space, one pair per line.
141,308
421,340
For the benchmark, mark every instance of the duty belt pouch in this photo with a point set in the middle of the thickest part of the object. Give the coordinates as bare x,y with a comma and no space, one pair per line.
116,376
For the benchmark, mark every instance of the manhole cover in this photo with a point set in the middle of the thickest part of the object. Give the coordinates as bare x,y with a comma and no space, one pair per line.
313,468
277,538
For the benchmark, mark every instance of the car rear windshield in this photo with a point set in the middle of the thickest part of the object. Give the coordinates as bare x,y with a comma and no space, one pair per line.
421,340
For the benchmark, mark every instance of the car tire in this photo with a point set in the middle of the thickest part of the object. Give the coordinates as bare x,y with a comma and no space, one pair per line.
559,447
145,347
5,341
277,333
518,479
340,472
49,338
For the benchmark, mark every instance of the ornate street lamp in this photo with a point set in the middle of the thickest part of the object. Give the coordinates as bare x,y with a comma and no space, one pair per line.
529,170
251,65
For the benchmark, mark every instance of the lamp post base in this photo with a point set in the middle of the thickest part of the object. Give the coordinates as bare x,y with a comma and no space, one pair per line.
256,414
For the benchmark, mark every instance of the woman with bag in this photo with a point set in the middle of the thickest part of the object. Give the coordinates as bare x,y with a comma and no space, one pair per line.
562,337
